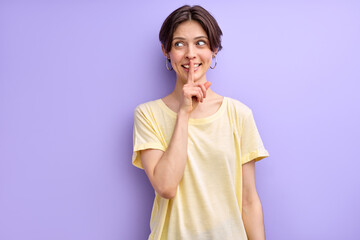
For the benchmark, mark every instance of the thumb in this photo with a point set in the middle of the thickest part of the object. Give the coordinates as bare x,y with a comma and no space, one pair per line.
207,85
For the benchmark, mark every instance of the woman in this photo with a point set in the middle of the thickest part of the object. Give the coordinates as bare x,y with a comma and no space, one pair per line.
198,148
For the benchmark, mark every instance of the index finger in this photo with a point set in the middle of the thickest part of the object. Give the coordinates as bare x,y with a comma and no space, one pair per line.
191,72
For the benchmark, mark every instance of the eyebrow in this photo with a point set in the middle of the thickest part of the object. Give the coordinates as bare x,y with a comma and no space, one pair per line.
181,38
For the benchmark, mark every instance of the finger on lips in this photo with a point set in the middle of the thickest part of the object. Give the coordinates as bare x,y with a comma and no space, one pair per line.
202,87
191,72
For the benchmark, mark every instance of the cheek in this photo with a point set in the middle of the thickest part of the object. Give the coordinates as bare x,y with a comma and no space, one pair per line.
208,60
176,57
207,57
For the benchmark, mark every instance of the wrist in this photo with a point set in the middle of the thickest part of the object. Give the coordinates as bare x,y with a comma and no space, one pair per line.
183,114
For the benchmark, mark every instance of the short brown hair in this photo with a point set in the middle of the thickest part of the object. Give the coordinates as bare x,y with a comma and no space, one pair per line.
185,13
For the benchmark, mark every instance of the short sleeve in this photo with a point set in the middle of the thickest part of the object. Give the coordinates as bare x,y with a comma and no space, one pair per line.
252,147
144,136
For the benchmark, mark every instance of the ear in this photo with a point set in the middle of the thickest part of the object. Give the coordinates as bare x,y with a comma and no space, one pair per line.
215,53
164,51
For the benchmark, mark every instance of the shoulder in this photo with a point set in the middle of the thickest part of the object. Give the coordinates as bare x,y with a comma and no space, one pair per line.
237,107
147,106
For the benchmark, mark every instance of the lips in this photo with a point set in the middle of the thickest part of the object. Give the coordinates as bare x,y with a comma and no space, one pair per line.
187,66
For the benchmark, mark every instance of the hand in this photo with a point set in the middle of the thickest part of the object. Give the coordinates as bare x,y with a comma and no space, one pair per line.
193,93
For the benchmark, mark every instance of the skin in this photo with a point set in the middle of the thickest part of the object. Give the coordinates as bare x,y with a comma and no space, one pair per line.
193,98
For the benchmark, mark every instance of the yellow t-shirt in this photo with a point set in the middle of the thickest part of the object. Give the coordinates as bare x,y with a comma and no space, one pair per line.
207,205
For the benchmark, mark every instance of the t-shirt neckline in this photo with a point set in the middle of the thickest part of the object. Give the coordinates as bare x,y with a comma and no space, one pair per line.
195,120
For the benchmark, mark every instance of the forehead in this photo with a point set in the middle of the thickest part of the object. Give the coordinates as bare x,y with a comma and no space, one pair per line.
189,29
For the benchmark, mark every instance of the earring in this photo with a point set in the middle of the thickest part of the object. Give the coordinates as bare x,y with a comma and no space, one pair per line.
215,63
167,64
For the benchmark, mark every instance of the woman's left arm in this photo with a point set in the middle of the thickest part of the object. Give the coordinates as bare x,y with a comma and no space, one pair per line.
252,214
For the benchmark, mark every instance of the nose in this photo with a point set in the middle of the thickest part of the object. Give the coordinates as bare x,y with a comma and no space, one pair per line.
191,52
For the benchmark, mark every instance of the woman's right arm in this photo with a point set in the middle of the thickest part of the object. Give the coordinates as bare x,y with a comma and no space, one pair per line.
166,169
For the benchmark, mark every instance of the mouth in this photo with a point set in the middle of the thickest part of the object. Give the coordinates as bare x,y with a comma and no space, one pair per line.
187,66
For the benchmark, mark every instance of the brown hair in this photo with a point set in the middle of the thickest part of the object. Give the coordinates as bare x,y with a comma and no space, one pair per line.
185,13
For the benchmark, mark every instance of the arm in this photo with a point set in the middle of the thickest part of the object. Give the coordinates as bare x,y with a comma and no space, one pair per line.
166,169
251,206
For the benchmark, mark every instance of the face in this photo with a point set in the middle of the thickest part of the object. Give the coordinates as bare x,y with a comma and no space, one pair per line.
190,41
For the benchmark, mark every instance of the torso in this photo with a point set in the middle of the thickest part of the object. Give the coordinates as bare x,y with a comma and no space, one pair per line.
214,158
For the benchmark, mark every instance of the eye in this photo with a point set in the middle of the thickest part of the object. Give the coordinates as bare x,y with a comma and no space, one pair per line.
179,44
201,42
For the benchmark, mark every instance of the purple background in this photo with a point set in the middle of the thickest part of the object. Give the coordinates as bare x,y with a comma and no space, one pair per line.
72,72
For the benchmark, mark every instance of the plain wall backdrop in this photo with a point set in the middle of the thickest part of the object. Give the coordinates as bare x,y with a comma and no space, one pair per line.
72,72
